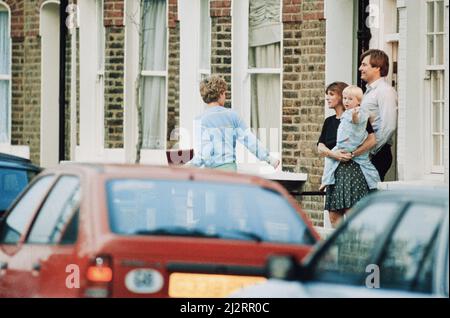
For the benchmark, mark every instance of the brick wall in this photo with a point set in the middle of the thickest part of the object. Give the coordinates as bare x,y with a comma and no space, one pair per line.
114,73
173,95
26,75
303,95
17,80
221,42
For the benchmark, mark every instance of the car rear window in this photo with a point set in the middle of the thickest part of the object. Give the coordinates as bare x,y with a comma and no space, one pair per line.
192,208
12,182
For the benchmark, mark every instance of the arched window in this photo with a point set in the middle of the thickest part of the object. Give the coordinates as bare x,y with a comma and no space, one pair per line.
5,74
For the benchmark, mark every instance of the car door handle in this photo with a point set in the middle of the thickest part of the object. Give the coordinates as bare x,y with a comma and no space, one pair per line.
3,265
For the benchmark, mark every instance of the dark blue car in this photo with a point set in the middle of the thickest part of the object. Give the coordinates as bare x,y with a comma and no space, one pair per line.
15,174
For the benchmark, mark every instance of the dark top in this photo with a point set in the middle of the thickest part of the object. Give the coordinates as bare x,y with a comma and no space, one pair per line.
329,131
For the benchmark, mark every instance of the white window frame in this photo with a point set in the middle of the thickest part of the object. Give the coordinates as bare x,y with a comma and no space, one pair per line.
8,77
202,72
149,73
428,88
191,72
241,81
100,75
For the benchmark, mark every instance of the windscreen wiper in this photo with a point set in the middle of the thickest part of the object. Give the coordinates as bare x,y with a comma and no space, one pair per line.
176,231
249,235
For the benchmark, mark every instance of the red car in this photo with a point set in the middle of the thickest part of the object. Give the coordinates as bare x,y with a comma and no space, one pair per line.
87,230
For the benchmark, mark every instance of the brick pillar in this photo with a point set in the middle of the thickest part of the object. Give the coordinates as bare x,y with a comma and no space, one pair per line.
303,95
17,78
114,72
29,70
173,102
221,42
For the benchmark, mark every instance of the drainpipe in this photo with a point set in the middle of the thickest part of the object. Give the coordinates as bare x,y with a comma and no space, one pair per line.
62,78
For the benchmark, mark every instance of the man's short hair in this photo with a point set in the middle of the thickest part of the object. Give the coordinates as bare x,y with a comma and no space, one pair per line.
211,88
378,58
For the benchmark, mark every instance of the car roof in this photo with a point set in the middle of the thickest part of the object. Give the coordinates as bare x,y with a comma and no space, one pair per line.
171,172
411,194
11,161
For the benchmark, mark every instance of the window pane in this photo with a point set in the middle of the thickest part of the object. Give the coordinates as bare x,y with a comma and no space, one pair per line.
430,16
439,49
437,150
437,87
154,35
264,32
266,108
205,35
22,213
408,245
217,210
436,118
440,16
351,251
56,211
430,49
4,111
265,56
154,112
5,46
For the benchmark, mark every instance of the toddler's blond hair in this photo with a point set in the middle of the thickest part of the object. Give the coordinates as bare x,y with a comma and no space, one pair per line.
355,91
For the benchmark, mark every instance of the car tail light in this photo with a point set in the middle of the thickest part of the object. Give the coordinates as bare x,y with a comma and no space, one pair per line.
99,276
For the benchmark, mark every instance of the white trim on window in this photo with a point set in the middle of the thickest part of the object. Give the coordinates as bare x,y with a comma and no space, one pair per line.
131,73
264,70
8,77
191,71
154,73
433,104
100,81
49,113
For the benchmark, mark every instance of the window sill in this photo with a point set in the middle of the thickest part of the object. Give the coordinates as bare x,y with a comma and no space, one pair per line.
20,151
429,181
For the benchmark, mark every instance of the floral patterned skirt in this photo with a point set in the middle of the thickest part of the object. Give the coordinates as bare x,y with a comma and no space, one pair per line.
350,186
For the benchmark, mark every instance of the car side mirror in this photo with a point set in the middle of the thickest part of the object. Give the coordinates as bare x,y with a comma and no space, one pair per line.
284,267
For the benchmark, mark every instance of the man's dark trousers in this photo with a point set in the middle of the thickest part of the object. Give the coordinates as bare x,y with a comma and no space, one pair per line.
383,160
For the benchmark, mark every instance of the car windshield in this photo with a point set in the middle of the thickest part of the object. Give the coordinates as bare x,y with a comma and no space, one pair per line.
203,209
12,182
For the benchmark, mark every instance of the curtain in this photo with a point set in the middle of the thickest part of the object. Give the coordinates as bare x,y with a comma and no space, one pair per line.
154,87
4,70
264,52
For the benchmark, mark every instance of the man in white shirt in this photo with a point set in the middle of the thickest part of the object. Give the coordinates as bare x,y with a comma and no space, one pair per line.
380,99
